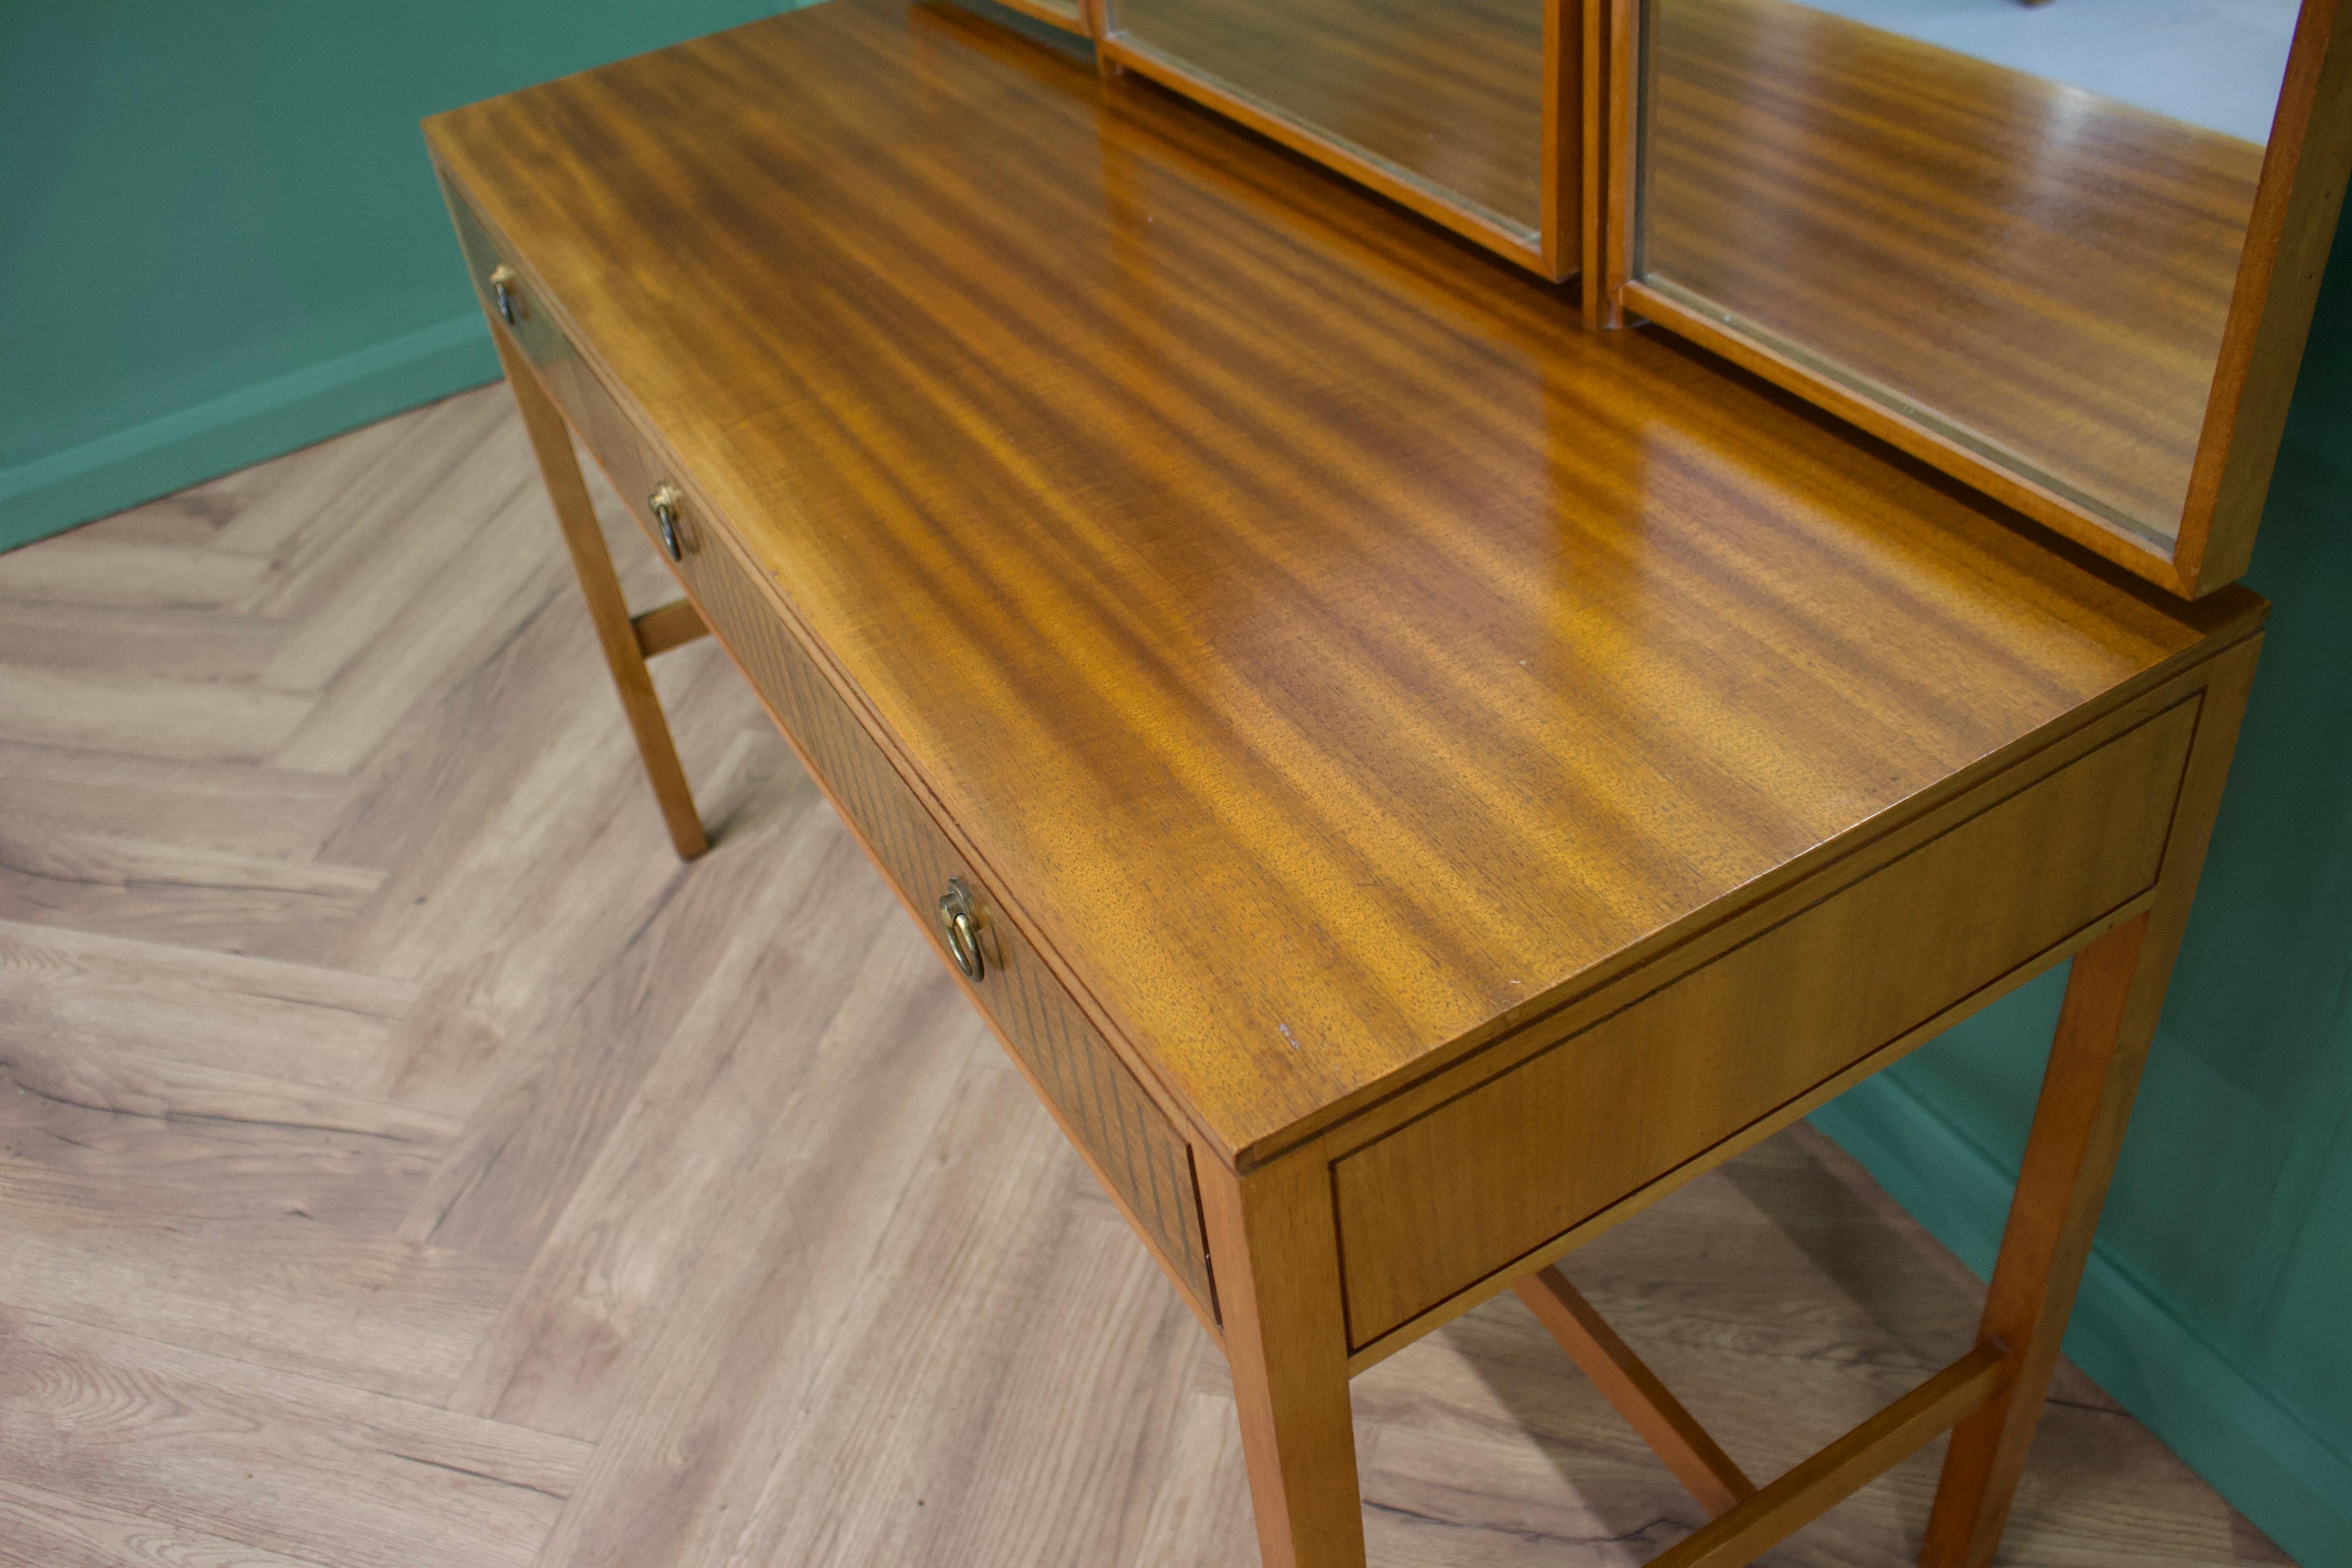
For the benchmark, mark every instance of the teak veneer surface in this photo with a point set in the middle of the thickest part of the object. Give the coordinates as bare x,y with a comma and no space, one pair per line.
1327,650
2045,270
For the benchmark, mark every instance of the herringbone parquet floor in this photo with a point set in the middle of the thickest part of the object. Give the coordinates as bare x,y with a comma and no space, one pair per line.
406,1163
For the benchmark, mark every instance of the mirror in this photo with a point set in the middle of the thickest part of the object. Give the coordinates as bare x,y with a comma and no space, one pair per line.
2013,230
1067,15
1443,100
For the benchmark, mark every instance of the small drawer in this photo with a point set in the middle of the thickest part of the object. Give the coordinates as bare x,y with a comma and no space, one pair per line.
1136,1148
1438,1204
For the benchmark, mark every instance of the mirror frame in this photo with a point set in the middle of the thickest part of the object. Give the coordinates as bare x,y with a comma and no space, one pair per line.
2294,222
1557,250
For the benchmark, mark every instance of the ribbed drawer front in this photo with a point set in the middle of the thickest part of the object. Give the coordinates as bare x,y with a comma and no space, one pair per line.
1104,1109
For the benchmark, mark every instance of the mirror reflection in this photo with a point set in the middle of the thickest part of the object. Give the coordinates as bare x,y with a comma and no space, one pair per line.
2019,226
1446,93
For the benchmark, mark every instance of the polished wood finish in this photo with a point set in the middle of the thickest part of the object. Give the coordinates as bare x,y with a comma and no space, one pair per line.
1271,1232
1607,179
1493,1175
1590,523
1130,1142
673,624
380,1101
2113,999
2078,1125
1626,1381
1565,164
1141,1159
1763,1521
2287,242
1362,707
1456,110
624,655
2130,263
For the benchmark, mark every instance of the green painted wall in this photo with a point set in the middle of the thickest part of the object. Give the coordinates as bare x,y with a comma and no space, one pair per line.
2219,1301
221,242
218,236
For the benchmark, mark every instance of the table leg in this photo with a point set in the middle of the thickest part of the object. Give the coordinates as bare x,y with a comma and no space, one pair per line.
2105,1027
2078,1128
1274,1250
559,467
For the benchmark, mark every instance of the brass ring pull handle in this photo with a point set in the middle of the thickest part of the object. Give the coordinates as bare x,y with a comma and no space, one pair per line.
504,290
664,505
962,932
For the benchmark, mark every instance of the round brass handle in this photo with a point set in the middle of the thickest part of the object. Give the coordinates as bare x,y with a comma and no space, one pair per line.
504,290
664,505
962,930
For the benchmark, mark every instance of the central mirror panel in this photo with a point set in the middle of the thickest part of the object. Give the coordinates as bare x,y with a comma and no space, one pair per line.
1446,95
2015,227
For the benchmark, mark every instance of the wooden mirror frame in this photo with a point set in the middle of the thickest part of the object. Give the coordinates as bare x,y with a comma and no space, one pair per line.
2294,222
1557,251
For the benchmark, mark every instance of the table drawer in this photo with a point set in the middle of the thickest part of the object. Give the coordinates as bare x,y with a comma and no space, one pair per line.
1138,1151
1438,1204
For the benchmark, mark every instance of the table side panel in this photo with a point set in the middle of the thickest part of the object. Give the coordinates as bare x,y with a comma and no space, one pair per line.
1132,1143
1439,1204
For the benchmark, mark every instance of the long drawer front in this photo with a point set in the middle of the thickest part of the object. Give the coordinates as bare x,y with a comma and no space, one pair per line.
1132,1143
1442,1202
1139,1153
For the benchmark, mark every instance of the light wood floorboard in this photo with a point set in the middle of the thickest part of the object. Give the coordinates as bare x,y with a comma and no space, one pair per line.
404,1161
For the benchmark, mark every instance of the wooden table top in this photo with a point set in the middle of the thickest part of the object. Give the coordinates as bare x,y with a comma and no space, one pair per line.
1332,651
2047,269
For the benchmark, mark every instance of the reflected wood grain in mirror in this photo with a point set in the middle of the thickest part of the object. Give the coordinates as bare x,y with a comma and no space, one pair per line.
2043,271
1067,15
1447,92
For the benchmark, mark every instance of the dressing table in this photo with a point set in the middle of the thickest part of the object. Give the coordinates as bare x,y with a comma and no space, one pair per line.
1410,778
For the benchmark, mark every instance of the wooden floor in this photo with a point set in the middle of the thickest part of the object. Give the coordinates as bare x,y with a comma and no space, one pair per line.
404,1163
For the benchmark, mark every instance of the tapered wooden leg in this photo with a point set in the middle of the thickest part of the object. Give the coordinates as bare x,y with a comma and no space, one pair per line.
2113,998
1275,1255
2078,1129
559,468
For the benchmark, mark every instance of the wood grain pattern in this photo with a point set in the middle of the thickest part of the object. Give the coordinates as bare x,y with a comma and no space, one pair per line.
1449,1198
1451,93
1125,1136
1286,1347
1113,1120
1128,1139
1845,1467
736,1141
624,655
666,626
2287,242
2047,269
1444,666
173,1434
1600,1353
